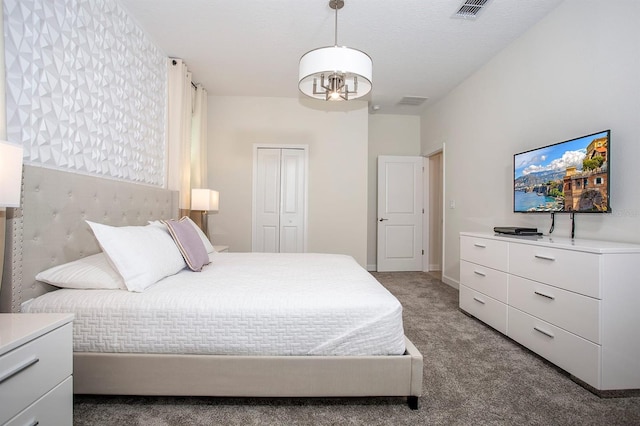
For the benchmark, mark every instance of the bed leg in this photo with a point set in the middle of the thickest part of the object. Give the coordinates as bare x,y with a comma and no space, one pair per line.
413,402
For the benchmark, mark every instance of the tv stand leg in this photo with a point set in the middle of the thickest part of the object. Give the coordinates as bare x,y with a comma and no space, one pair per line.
553,222
573,225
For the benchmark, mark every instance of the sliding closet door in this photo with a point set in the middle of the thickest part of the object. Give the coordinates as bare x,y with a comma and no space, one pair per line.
292,201
267,208
279,200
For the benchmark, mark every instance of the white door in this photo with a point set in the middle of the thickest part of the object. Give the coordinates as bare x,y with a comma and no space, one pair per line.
279,200
399,213
292,201
267,205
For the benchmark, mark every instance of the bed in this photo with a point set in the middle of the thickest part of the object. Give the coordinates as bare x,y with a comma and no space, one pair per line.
50,229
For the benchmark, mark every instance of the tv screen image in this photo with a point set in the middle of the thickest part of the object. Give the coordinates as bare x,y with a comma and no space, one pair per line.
570,176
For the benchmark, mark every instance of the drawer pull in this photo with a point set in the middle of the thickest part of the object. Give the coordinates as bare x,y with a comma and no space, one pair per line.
545,295
18,368
539,256
546,333
34,423
482,274
479,245
479,300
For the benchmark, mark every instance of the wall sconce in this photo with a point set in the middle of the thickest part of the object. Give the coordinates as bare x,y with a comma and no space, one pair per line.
205,201
10,174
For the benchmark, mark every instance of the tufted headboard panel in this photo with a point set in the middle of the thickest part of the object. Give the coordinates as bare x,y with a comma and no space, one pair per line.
50,228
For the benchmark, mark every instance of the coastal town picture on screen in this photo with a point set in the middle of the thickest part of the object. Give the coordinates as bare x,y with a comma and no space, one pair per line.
570,176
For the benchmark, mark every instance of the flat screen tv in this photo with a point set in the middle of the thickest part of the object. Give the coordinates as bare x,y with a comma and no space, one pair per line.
570,176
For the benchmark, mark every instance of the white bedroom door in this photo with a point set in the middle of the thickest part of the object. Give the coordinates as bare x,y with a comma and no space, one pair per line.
400,213
279,200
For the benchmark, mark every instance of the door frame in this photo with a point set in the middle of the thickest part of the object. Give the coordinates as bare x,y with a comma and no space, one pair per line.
426,214
254,180
428,236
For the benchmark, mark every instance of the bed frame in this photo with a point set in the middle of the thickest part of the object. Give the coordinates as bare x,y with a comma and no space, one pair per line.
49,230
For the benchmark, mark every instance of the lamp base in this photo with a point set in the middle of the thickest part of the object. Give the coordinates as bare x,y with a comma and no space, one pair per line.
199,217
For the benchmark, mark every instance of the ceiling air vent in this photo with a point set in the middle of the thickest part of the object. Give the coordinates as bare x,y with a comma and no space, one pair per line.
412,100
470,9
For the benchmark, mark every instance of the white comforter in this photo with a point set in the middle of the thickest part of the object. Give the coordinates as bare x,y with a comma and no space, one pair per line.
241,304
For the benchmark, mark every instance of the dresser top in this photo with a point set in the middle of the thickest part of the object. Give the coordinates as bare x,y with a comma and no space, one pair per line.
590,246
18,329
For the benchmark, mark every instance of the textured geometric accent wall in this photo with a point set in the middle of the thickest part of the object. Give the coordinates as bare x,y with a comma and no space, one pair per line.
86,89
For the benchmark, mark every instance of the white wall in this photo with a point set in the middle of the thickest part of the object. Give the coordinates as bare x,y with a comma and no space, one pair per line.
388,135
337,168
574,73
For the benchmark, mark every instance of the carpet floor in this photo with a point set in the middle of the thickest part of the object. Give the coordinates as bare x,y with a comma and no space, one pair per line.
473,375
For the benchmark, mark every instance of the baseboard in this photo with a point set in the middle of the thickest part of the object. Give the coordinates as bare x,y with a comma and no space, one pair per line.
372,268
435,267
450,282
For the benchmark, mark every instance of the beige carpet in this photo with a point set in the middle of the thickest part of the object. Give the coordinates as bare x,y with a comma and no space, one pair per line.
472,376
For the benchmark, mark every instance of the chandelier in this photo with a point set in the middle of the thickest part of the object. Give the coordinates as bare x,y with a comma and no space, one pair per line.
335,73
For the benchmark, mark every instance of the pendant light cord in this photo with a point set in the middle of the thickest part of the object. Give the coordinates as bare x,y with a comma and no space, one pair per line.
336,25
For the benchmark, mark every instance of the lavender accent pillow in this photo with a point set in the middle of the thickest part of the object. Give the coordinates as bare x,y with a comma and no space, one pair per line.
188,242
205,240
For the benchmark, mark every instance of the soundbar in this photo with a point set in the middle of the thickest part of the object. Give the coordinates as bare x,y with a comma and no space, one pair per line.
516,230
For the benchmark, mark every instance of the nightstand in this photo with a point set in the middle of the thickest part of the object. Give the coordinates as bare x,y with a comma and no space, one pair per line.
36,363
221,249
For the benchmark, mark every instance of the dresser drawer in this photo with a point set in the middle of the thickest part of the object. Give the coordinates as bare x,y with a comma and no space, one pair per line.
572,353
485,308
55,408
571,270
491,253
574,312
485,280
31,370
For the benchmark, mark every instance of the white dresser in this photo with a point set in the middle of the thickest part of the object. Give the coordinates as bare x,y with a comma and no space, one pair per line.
36,359
574,302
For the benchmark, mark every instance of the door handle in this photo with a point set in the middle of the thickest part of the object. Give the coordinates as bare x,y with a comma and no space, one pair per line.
382,218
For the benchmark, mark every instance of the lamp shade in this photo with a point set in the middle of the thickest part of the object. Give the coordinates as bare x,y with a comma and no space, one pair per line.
335,59
204,200
10,174
214,201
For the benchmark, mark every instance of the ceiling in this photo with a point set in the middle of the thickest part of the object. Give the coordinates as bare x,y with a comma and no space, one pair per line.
252,47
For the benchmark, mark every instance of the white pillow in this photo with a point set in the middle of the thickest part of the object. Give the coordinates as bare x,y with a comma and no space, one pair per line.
205,240
142,255
91,272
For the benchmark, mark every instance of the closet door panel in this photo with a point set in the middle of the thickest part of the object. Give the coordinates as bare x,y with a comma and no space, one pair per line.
292,195
268,201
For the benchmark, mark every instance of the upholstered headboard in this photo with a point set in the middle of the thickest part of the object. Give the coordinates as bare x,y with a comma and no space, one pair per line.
50,228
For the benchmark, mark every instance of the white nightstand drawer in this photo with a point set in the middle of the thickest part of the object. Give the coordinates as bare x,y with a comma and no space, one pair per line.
485,308
572,270
574,312
31,370
55,408
572,353
489,281
491,253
